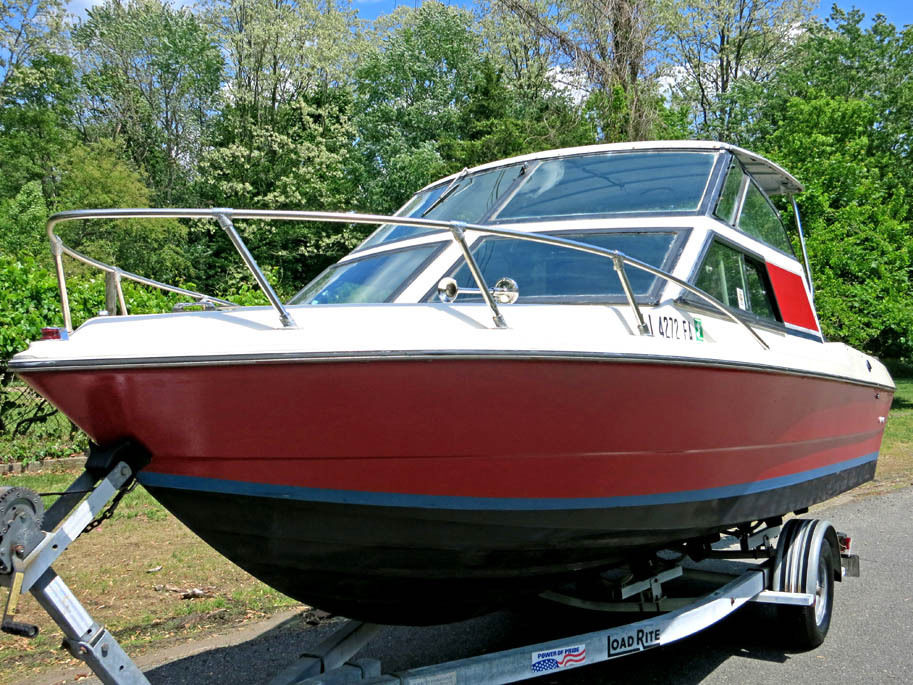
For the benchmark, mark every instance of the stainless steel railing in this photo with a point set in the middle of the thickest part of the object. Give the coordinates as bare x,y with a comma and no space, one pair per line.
457,230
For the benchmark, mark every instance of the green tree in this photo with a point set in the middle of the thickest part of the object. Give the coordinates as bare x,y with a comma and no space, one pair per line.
606,48
280,50
499,121
37,116
301,160
22,219
152,76
715,44
95,176
410,94
27,28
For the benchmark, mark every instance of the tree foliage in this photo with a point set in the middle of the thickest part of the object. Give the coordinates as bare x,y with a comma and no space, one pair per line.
37,113
151,76
716,44
301,105
27,28
606,46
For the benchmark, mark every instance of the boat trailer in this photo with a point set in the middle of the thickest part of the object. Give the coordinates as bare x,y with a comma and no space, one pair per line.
798,562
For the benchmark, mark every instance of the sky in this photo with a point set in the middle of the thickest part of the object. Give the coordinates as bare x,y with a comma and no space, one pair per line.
898,12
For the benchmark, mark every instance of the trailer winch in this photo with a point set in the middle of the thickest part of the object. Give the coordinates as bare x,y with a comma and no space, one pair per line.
21,514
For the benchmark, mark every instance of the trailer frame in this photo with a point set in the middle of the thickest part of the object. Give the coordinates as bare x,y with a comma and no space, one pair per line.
789,574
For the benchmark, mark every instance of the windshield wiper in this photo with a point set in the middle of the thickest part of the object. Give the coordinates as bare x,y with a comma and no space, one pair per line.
448,191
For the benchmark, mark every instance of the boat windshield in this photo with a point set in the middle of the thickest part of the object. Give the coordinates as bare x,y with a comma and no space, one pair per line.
547,273
469,199
377,278
612,183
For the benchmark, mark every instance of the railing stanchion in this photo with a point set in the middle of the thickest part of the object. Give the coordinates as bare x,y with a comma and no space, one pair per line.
459,235
57,251
120,293
619,264
229,228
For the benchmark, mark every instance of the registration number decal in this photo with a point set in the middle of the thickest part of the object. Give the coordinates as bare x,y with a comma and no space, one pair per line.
676,328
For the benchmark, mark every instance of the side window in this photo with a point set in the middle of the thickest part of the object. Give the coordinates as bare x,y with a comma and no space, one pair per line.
729,197
737,280
760,219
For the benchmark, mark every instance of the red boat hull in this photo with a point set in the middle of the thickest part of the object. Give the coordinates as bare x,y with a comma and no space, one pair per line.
421,490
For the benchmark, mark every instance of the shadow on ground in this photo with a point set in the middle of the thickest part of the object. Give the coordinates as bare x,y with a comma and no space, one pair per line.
749,634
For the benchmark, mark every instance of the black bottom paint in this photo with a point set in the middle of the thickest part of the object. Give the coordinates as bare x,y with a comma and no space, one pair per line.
421,566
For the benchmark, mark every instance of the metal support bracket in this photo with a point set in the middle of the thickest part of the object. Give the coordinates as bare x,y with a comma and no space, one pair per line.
763,538
223,216
619,264
84,638
458,231
652,585
329,662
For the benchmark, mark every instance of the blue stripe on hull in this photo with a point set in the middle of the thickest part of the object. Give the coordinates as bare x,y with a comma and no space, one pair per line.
386,499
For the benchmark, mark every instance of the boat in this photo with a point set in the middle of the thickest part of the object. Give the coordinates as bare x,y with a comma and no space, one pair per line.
540,367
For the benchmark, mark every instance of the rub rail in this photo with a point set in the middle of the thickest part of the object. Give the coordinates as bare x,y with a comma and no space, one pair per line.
457,230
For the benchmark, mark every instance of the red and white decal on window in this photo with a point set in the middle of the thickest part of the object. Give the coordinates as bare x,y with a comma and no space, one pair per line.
789,289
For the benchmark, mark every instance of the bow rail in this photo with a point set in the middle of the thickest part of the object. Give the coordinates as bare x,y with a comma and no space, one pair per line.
457,229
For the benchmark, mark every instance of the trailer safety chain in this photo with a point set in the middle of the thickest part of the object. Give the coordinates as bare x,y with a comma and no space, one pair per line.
65,492
128,487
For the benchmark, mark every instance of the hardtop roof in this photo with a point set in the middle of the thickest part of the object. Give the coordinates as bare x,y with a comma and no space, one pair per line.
772,178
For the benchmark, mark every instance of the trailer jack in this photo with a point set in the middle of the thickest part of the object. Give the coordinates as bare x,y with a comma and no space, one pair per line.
31,540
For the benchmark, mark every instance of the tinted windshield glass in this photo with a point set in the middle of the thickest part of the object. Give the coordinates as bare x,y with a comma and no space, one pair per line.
389,233
729,198
612,183
547,272
373,279
761,220
470,199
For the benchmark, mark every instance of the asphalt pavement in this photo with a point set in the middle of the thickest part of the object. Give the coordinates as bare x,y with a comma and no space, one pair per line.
869,639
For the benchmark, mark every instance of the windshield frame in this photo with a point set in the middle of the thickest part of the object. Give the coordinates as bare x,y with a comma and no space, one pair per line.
703,206
650,298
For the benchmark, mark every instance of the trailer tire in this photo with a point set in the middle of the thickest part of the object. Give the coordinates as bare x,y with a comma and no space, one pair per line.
805,563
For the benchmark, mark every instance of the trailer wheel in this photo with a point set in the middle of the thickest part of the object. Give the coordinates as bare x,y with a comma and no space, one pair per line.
805,563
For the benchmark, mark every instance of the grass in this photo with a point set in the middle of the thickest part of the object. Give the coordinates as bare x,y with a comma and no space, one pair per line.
108,571
895,463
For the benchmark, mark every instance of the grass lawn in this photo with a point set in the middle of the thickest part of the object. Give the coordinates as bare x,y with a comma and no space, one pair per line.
109,570
895,463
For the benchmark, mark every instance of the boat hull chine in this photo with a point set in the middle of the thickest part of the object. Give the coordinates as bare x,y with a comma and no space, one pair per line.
400,564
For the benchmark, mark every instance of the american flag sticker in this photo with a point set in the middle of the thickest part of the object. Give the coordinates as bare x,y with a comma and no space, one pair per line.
558,658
